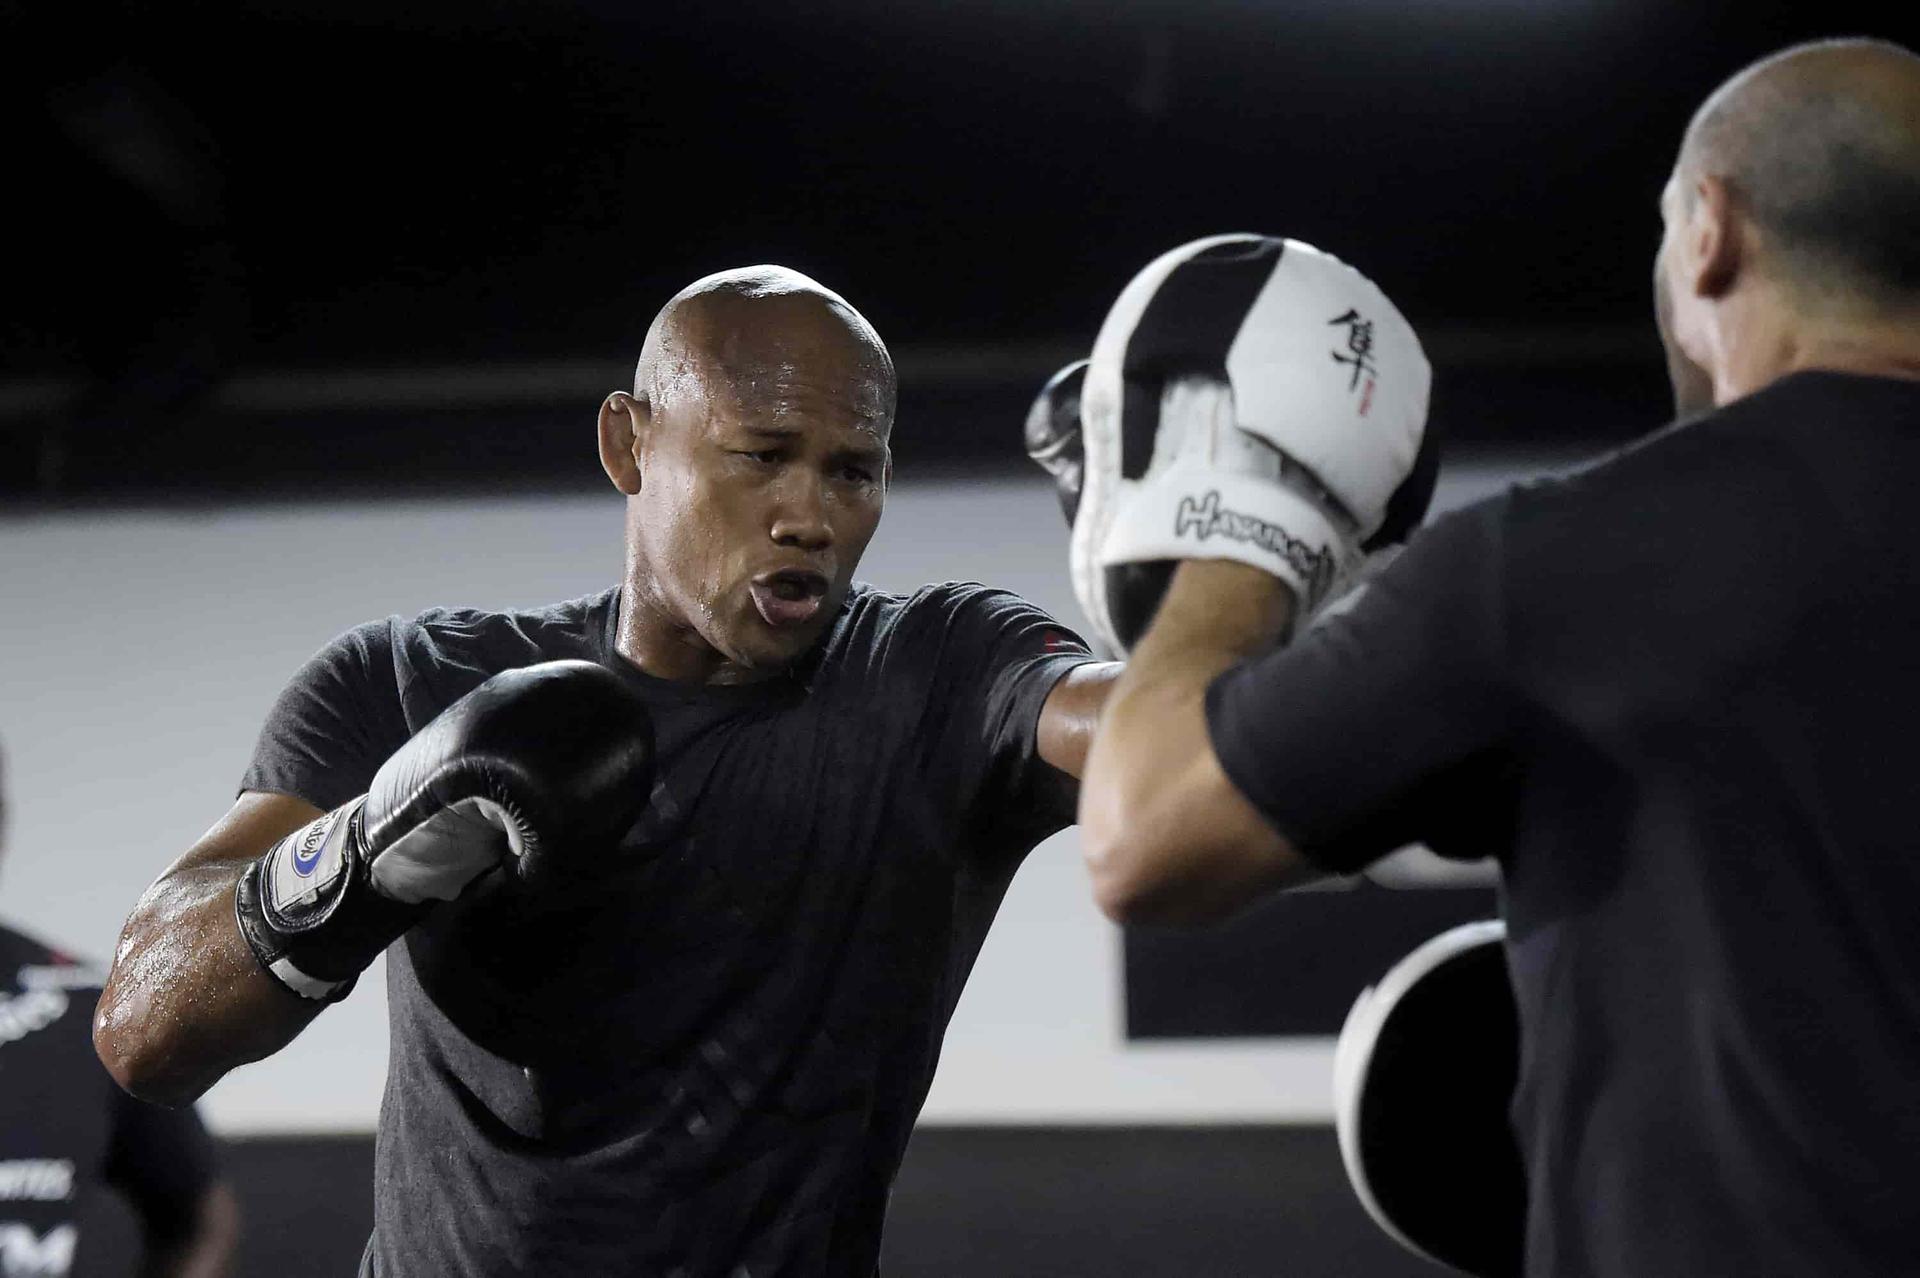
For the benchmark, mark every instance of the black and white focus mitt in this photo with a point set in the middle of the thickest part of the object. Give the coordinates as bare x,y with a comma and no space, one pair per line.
1423,1076
1248,398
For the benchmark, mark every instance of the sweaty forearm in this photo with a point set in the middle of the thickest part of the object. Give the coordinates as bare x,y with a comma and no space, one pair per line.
187,1000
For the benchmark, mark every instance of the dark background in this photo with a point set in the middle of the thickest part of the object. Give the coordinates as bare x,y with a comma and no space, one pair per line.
346,245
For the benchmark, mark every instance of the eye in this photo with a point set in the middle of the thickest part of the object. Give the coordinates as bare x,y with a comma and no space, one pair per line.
765,456
856,474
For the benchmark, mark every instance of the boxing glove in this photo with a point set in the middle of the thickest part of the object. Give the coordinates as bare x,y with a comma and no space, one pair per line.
533,766
1053,435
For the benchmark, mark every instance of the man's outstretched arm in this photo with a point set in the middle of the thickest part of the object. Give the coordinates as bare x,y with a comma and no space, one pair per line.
1167,836
1065,731
186,999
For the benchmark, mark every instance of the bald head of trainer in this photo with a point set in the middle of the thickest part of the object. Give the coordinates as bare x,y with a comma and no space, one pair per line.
753,453
1790,223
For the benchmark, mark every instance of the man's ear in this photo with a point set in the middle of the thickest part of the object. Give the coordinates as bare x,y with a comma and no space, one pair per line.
1715,241
623,419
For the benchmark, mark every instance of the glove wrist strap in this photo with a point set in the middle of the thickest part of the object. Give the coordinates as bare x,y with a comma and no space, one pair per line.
310,912
1185,514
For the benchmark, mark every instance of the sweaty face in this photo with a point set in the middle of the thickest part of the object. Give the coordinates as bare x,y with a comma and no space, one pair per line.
763,482
1692,386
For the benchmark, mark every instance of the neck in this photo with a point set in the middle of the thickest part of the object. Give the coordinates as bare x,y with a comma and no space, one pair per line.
658,643
1763,343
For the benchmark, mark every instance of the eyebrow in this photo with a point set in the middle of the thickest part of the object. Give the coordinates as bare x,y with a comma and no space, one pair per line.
875,450
872,454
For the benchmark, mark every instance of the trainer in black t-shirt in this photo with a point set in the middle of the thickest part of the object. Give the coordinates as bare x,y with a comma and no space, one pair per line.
68,1135
705,1054
1676,695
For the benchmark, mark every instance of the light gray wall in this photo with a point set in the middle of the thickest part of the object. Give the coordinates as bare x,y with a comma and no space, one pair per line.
138,652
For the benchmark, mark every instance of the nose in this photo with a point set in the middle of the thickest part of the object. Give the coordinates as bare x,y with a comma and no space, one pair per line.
800,517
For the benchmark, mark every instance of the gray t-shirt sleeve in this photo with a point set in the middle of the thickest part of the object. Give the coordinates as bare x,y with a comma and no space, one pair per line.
1002,658
334,723
1390,723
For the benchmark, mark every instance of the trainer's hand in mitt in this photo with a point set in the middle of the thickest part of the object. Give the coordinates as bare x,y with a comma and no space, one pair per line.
1248,398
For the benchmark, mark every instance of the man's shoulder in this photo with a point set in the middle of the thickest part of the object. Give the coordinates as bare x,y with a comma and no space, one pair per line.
425,662
1757,433
933,610
494,640
950,630
1652,480
938,594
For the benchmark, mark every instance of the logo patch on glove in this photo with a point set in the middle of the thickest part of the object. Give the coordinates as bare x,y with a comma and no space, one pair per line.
306,853
310,860
1208,518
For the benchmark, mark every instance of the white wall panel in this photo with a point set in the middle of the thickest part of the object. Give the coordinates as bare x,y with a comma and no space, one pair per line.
139,650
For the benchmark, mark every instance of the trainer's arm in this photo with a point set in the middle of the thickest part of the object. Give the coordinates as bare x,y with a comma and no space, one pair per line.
1167,836
186,1000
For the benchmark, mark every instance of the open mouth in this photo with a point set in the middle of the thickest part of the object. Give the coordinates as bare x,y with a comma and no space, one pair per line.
789,597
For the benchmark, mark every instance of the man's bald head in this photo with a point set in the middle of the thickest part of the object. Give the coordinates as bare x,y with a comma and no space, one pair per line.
751,331
753,454
1820,145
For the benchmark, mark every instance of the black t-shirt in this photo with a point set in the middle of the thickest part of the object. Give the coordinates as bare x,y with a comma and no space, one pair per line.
1675,694
68,1135
704,1053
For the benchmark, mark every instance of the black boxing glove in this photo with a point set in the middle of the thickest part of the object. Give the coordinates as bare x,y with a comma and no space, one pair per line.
1057,445
529,762
1053,435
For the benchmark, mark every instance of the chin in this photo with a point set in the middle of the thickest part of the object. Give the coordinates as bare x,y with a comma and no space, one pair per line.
758,646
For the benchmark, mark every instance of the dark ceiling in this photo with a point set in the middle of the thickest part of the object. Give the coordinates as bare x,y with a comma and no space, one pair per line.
224,214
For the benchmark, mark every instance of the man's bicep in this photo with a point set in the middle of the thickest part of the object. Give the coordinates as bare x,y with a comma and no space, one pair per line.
1017,658
334,722
256,821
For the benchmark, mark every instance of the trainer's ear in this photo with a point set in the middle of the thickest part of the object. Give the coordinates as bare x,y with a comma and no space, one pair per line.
1715,239
623,419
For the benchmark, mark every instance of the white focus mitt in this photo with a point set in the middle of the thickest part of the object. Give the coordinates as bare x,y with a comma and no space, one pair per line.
1248,398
